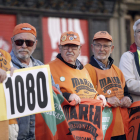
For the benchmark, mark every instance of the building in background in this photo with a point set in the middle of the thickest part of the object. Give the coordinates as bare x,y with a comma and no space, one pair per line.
86,17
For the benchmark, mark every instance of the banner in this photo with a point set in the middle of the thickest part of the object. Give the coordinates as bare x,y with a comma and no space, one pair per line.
83,121
28,91
134,121
108,117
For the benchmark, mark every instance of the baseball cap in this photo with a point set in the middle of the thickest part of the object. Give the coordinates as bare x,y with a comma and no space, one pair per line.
69,37
102,34
24,28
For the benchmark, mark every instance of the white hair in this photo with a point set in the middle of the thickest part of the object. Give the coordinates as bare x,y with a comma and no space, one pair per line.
135,25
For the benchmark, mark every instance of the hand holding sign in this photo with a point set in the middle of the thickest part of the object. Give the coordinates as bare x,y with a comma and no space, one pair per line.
28,91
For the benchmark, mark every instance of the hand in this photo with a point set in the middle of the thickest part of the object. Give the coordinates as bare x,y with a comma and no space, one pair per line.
3,75
13,131
102,97
12,70
125,101
74,97
114,101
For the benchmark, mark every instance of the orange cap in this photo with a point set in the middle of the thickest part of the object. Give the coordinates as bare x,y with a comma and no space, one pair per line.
102,34
69,37
24,28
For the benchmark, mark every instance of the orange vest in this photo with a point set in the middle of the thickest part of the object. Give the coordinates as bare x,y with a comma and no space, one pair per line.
72,80
110,83
5,60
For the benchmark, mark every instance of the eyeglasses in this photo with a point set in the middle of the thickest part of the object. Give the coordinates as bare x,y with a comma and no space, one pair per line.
29,43
73,47
99,46
138,31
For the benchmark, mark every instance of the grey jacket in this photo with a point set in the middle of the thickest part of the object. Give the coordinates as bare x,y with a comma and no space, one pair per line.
132,78
27,124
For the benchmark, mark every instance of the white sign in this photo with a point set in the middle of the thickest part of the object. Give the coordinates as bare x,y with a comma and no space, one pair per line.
28,91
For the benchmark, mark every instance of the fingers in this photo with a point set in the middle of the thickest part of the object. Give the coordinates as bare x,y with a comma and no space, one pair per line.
12,71
3,75
126,102
116,104
104,102
13,131
102,97
16,127
78,100
114,101
74,97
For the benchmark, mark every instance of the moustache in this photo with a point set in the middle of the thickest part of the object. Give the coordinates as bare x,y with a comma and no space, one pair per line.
23,50
69,53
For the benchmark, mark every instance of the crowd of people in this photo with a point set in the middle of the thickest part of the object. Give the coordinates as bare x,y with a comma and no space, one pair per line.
119,87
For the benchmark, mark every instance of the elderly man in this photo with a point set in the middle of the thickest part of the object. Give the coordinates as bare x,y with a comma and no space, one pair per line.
73,79
130,64
108,79
23,45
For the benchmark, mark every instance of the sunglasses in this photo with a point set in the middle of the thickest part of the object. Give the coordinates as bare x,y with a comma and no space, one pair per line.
29,43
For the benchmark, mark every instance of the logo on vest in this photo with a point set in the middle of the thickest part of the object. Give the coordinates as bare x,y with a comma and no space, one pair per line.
3,63
62,79
82,84
109,92
109,83
85,118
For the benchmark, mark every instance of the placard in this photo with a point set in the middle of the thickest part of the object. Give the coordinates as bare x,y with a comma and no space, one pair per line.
28,91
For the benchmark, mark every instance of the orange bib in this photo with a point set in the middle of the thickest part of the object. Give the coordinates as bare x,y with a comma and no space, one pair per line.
5,60
72,80
109,83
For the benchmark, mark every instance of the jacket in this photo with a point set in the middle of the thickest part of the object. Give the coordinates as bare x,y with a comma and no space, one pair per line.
129,65
27,124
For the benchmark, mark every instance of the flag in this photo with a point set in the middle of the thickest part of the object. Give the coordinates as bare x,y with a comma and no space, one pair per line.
70,121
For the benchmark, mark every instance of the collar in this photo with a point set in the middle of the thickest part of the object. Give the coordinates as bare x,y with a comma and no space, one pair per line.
94,63
78,64
30,64
103,65
133,48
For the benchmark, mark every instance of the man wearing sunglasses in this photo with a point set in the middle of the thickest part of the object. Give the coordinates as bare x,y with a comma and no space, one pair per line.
23,45
108,79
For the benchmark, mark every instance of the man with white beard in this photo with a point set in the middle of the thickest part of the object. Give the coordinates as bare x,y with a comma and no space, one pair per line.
67,71
23,45
108,79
